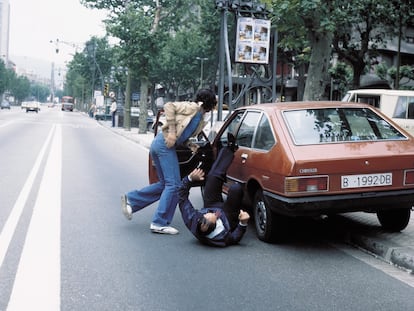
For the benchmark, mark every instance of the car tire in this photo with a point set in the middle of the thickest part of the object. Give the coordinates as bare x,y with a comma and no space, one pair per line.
263,218
394,220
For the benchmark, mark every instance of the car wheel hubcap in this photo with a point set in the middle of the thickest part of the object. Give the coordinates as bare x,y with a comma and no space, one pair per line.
261,215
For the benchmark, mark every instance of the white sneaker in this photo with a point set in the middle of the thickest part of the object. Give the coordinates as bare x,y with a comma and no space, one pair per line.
126,208
161,229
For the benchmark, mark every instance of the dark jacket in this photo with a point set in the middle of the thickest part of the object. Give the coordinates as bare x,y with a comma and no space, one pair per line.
191,216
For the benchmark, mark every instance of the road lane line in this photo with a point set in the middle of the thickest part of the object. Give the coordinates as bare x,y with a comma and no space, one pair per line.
37,283
11,223
7,123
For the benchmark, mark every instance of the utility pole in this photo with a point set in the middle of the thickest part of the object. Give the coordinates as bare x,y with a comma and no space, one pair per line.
202,59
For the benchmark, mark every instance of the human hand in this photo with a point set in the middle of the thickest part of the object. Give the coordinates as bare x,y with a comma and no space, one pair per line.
170,140
197,174
244,217
194,148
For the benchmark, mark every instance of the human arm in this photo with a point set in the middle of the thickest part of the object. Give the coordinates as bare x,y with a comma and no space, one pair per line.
188,213
237,234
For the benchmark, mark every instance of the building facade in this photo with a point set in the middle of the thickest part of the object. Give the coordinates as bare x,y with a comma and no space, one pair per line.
4,30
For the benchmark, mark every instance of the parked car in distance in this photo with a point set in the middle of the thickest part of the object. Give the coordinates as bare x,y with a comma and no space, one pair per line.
32,106
306,159
135,111
5,105
100,114
395,104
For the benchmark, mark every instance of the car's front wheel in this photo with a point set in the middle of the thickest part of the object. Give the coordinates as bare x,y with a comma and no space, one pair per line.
263,217
394,220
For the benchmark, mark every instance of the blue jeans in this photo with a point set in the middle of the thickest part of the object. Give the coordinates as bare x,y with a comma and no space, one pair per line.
165,190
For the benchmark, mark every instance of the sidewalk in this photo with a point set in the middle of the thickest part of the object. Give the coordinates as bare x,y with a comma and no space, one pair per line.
359,229
142,139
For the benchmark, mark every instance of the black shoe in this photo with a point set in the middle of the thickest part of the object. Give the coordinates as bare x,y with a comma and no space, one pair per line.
231,142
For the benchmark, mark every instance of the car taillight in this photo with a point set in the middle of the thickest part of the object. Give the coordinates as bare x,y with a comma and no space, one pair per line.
306,184
409,177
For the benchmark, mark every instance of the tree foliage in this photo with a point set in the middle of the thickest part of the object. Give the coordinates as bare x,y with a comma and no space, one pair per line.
20,88
152,35
358,29
308,24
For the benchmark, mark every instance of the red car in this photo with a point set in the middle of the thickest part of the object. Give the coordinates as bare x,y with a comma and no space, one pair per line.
319,158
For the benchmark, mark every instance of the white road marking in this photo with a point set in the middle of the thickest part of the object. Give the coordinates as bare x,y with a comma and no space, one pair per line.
11,223
7,123
37,283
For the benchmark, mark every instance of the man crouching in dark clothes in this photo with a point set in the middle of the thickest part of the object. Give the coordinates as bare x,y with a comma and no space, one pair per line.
218,223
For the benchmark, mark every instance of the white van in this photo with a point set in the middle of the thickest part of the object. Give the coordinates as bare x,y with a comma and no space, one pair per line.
395,104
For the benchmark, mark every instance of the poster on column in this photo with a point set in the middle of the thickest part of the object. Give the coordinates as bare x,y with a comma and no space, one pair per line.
253,40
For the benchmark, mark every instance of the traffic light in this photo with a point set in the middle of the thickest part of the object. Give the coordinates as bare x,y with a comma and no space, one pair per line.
106,89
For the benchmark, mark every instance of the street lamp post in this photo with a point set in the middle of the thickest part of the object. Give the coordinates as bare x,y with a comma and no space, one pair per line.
202,59
91,47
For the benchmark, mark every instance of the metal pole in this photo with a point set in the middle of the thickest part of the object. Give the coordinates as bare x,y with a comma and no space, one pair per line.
201,75
221,68
201,59
127,111
274,64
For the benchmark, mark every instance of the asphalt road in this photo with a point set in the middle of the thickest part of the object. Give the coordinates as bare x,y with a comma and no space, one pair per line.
64,244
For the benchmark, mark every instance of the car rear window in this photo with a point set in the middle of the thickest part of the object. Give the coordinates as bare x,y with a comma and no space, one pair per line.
333,125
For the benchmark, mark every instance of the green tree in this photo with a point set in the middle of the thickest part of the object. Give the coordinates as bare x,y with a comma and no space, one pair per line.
398,15
39,91
89,69
20,88
311,21
178,68
142,27
355,30
360,30
3,77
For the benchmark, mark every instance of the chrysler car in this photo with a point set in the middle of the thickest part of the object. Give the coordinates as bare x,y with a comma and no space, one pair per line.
317,158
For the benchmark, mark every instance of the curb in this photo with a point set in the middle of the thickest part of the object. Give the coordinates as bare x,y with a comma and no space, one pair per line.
392,253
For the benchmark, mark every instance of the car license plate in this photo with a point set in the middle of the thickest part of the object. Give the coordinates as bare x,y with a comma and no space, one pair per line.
366,180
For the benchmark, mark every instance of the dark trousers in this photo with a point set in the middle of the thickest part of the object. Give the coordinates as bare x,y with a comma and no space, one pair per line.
213,188
113,119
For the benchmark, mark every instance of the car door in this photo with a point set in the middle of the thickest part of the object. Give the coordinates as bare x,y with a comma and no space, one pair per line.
241,125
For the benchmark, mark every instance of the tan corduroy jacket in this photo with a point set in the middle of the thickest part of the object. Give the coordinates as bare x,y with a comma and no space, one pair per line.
178,115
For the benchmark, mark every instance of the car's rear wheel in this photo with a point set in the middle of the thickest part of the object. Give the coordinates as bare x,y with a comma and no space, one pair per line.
394,219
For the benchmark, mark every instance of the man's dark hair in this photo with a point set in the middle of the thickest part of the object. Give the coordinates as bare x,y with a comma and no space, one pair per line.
207,97
204,221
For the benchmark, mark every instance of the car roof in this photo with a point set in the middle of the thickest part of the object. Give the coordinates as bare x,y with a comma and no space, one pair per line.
304,105
382,91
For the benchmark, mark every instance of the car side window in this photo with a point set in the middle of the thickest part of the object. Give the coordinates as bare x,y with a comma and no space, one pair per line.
247,129
264,138
401,108
404,108
231,128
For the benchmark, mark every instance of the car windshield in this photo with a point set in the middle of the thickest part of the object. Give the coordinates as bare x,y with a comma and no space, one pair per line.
333,125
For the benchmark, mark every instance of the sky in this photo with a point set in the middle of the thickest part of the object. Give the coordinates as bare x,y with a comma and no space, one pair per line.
34,23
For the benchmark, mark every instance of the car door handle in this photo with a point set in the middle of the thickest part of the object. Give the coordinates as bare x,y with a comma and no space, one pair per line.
244,157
